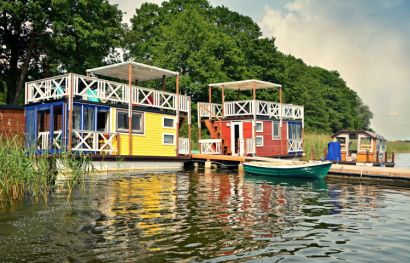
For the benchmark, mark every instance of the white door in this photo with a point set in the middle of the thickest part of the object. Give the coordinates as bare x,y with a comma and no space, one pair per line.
237,142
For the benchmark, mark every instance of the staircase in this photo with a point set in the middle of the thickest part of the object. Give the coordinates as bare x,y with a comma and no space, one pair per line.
215,131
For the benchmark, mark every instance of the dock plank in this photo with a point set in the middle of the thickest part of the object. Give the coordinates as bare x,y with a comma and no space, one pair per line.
370,171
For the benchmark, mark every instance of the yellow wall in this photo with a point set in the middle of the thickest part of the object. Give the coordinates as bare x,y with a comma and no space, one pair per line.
149,143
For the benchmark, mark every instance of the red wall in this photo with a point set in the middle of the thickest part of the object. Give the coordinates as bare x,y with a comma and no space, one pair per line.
12,122
270,147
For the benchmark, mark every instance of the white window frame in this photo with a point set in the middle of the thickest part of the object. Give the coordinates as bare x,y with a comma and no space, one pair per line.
163,137
256,126
134,132
173,123
273,129
256,144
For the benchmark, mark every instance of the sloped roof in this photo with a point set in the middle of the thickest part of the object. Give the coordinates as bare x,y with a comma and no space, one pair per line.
245,85
140,71
368,133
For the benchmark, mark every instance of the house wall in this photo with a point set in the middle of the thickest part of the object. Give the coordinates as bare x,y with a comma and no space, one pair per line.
12,122
271,147
151,142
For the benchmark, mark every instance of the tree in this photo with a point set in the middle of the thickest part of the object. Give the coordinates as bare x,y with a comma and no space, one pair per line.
40,38
213,44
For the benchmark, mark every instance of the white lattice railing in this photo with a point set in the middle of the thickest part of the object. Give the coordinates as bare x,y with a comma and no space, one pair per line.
238,108
43,140
93,141
211,146
46,89
249,146
295,145
209,110
183,146
100,90
247,107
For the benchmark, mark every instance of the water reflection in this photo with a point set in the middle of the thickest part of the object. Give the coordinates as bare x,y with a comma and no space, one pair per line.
215,217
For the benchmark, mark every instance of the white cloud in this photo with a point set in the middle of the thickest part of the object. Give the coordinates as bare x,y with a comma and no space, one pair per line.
129,6
354,39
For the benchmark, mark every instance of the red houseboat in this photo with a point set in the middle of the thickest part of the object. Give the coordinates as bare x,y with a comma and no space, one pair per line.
250,127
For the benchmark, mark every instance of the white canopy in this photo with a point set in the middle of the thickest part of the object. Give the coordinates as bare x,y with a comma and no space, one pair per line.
140,71
246,85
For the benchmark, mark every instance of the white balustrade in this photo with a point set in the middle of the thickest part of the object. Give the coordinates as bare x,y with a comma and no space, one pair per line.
93,141
210,146
295,145
249,146
183,146
43,140
238,108
209,110
105,91
47,89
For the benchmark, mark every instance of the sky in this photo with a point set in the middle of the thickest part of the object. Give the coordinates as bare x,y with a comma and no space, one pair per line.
366,41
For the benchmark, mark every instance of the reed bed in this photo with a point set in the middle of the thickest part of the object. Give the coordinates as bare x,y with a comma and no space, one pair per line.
315,145
398,147
25,174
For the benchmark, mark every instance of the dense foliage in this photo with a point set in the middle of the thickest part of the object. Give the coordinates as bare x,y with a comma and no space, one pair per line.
40,38
213,44
205,44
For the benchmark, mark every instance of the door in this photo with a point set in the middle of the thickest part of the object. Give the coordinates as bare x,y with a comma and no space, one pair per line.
294,137
237,145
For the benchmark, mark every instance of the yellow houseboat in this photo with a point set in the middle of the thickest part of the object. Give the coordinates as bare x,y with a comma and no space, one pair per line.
111,119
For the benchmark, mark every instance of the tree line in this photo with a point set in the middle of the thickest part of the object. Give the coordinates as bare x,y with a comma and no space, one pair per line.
206,44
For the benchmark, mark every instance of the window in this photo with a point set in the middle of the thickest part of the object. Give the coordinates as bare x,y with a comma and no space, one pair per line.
137,121
259,126
168,122
89,118
275,130
259,141
168,139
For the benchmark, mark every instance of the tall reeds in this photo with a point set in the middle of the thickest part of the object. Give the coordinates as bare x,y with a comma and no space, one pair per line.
315,145
23,173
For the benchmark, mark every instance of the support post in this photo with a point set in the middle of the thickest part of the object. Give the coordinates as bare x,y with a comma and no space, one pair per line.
189,126
223,101
70,112
177,114
254,118
210,101
280,119
163,83
130,109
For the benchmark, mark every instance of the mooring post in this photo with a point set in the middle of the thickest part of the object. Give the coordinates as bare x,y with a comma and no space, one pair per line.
208,166
240,169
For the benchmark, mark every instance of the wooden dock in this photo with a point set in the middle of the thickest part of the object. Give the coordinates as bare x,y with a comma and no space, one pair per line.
370,172
218,157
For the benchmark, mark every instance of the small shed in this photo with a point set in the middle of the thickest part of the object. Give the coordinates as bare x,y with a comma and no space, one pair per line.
12,120
361,146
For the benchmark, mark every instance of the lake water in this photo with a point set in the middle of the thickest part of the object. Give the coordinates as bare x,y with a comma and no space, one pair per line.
402,160
190,216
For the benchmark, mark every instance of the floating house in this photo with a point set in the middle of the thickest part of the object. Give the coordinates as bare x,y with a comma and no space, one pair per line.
361,146
250,127
108,114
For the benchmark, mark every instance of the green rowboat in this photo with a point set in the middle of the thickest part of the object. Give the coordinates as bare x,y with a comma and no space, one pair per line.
309,170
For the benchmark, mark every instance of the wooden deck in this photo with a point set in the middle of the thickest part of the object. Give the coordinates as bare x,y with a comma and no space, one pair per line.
218,157
370,171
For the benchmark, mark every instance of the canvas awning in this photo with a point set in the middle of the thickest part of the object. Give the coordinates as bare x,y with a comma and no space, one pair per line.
245,85
140,72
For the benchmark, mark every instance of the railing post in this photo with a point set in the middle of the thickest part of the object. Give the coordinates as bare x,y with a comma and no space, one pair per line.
70,111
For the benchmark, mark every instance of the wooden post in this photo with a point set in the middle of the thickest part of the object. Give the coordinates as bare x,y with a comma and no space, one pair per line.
163,83
70,112
210,101
130,109
189,126
280,119
177,108
254,117
367,156
392,157
385,157
223,101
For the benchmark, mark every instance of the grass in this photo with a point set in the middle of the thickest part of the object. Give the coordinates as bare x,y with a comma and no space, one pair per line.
25,174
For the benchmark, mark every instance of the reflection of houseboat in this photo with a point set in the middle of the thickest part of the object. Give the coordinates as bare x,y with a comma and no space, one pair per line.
361,146
107,118
250,127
